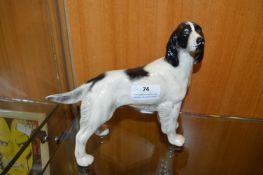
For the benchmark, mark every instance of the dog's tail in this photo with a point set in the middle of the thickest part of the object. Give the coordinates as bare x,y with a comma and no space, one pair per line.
70,97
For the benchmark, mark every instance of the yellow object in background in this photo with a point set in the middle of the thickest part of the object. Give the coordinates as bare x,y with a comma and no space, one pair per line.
11,140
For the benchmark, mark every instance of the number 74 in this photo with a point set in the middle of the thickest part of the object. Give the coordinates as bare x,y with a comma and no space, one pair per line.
146,88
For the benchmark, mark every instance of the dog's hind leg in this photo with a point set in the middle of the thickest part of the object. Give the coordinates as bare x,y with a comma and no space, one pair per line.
168,115
93,115
83,159
102,131
89,123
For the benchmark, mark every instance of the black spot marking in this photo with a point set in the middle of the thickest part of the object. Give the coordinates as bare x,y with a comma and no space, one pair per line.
96,79
172,55
183,32
136,73
198,30
178,39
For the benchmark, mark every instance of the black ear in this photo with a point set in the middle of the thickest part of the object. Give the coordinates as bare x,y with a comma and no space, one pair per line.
199,54
171,55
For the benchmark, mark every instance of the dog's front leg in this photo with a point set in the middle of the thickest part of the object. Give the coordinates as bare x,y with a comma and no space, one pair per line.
168,115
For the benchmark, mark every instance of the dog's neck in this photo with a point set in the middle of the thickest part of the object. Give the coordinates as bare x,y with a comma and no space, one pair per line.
186,62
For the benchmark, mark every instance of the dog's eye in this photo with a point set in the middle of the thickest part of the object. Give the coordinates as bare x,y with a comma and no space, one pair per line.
186,32
198,29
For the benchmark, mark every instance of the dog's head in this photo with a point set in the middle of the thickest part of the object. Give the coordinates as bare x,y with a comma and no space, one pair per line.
187,36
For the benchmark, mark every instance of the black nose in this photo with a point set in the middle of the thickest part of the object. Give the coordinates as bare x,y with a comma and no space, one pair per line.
200,41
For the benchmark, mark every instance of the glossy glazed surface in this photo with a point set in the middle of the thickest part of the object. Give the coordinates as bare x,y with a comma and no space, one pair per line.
159,86
136,145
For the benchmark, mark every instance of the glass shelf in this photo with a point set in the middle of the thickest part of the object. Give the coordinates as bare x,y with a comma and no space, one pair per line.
214,145
23,133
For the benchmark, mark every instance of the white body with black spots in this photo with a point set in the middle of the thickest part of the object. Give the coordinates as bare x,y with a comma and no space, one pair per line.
102,95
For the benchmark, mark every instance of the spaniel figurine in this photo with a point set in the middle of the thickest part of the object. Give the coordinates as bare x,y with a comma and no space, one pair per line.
158,86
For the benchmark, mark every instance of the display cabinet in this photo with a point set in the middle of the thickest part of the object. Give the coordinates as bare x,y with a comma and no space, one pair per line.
29,135
37,138
135,145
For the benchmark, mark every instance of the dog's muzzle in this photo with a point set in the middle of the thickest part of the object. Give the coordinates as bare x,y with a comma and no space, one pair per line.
200,41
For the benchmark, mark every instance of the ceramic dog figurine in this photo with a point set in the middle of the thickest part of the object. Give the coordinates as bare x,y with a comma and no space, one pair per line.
159,86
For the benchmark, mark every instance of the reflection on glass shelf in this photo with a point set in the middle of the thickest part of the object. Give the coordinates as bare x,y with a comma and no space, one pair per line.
21,152
136,145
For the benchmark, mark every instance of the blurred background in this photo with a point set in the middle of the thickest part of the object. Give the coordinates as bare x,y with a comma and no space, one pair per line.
52,46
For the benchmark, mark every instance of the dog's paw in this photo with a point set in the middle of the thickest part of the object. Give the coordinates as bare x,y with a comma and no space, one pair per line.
176,139
102,133
85,161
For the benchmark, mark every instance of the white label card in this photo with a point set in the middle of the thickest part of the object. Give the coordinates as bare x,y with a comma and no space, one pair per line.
145,92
